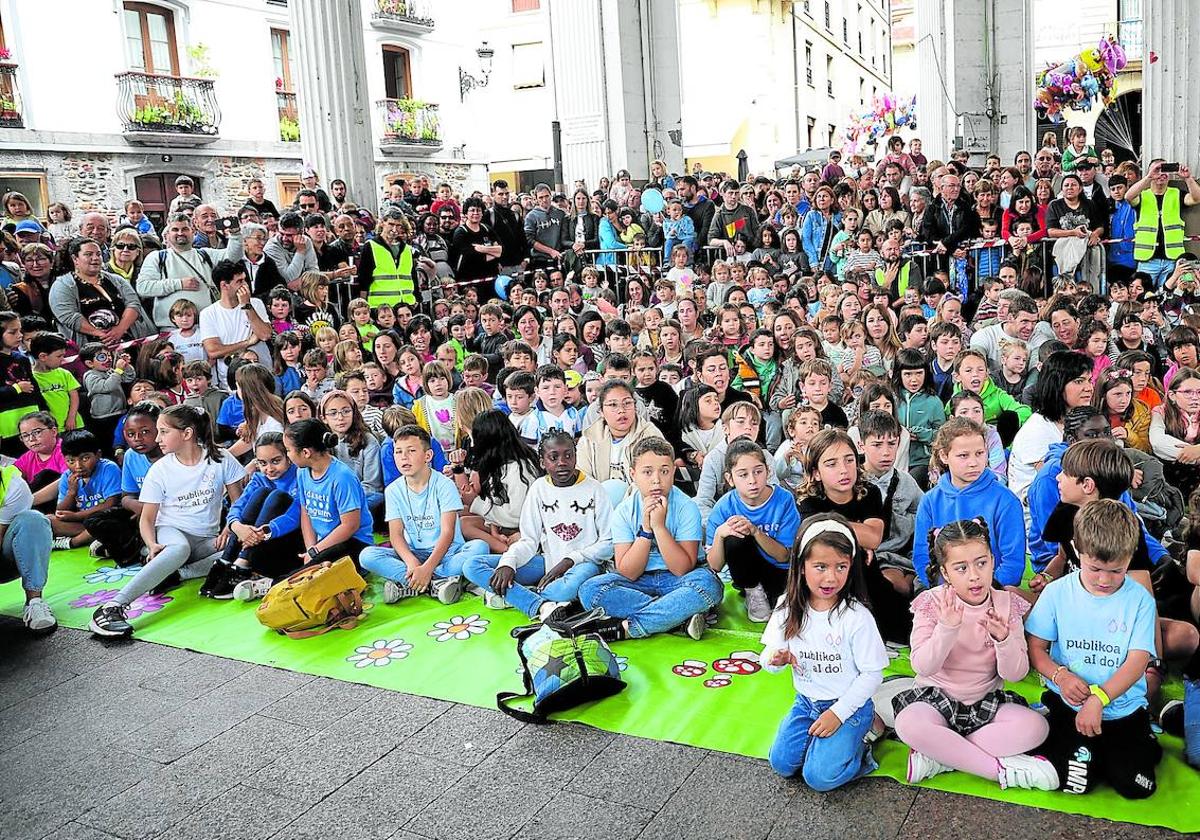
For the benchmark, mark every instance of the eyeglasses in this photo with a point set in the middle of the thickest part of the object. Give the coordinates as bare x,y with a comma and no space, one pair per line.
1188,392
33,435
617,406
125,246
338,413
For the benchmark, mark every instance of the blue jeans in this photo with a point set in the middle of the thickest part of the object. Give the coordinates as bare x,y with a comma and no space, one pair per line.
823,763
26,547
1191,721
479,570
657,601
1159,270
386,563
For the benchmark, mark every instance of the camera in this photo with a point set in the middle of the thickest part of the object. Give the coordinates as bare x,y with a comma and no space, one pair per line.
229,224
1169,168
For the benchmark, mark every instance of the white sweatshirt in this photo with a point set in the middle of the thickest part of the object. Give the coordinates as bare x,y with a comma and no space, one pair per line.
564,523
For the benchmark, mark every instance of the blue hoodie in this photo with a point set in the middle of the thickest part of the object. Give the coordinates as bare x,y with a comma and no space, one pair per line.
280,525
986,497
1044,496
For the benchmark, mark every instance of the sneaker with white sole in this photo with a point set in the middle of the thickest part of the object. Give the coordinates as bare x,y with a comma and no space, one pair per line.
61,544
922,767
547,609
758,606
1031,772
696,626
1170,718
110,621
474,589
495,602
394,591
251,589
888,689
447,590
38,616
99,550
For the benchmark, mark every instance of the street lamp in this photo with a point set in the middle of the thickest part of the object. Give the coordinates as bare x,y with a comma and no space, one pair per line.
467,82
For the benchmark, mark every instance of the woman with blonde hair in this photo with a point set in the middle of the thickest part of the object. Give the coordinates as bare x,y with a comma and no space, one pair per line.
314,310
125,254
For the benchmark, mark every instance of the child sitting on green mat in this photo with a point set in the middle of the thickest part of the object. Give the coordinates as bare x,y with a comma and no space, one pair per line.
1091,636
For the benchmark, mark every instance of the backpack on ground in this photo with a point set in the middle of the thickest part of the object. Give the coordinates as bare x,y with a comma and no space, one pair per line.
315,600
563,665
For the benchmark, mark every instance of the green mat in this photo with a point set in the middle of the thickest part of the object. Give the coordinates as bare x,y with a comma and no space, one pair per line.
688,692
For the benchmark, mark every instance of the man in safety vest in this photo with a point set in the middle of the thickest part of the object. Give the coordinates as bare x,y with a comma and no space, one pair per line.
25,542
1158,232
387,264
897,273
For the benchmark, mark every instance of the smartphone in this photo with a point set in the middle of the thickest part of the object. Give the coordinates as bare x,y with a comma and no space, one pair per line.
229,224
1169,168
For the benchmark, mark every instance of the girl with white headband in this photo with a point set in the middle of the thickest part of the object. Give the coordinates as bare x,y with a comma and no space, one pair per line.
823,629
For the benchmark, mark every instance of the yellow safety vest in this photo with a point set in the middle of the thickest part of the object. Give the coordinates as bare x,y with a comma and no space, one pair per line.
1145,232
391,283
901,279
7,474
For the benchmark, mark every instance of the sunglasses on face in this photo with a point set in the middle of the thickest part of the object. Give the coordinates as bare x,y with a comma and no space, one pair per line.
125,246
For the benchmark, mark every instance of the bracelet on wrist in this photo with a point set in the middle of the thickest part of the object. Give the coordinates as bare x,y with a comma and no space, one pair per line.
1100,694
1054,676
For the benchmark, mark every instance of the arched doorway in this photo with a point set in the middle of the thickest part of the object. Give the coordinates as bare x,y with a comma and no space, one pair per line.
1119,127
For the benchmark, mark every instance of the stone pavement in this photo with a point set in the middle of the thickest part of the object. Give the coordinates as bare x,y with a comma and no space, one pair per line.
137,741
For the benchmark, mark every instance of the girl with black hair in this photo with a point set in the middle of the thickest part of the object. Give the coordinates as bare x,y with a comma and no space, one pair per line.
592,335
334,518
286,351
1065,382
180,523
423,337
822,739
919,411
501,468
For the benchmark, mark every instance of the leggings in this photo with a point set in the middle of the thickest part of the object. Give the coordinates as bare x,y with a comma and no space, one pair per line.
44,478
196,553
277,557
1016,729
749,568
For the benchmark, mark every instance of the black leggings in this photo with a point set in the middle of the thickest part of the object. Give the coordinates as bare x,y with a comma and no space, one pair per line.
278,556
749,568
117,530
1124,754
43,479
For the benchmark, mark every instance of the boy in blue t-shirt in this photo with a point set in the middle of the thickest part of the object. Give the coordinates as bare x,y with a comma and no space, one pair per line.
90,485
656,532
428,550
1091,636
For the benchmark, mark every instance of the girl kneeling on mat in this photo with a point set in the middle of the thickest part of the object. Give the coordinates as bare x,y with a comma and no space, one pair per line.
824,631
181,497
566,538
264,526
967,639
334,519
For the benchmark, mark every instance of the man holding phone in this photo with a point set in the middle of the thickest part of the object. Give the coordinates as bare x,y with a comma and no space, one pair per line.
1159,234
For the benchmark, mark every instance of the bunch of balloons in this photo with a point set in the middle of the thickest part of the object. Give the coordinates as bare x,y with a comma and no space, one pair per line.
1080,81
887,114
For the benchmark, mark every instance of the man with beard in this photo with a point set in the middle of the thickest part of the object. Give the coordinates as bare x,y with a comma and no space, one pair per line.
182,272
337,193
506,228
897,274
695,204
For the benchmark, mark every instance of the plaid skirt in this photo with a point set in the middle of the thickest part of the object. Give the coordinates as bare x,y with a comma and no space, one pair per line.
963,718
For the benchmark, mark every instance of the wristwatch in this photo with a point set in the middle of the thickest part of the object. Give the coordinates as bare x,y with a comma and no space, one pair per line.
313,552
247,306
644,534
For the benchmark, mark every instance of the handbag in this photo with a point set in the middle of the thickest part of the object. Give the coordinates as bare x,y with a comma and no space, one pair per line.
563,665
315,600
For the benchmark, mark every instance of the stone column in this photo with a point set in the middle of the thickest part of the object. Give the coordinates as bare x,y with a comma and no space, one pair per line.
335,115
1171,85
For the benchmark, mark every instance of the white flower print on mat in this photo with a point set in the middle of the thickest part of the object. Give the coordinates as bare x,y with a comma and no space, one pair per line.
379,653
459,627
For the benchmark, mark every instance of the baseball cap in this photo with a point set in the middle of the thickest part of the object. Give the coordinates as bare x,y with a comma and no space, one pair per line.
1086,163
574,378
29,226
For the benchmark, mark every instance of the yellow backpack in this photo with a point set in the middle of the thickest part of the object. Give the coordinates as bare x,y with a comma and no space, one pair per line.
315,600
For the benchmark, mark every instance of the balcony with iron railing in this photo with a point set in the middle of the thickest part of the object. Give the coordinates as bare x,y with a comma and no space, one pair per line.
289,116
409,127
10,98
409,17
167,110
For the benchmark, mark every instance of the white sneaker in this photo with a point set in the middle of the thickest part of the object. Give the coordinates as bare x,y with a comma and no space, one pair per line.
38,616
922,767
61,543
695,626
474,589
882,698
393,591
495,602
252,589
549,607
758,607
98,550
447,590
1027,771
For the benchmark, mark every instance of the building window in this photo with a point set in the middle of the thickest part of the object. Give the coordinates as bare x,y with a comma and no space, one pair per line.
150,40
526,5
286,187
832,135
32,185
828,17
829,76
808,69
397,73
285,68
808,8
812,127
1129,28
529,66
845,31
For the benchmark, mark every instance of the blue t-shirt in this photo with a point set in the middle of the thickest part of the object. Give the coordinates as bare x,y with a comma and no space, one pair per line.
387,456
337,492
232,412
103,483
1092,635
288,381
683,521
777,517
133,472
422,512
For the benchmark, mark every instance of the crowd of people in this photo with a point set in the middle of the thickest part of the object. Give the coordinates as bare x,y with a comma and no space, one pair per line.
871,397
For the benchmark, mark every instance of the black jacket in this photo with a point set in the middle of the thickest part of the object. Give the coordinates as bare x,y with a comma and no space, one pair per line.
506,228
591,231
951,227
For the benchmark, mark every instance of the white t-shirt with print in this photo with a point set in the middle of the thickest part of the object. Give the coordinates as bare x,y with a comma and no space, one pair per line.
190,498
